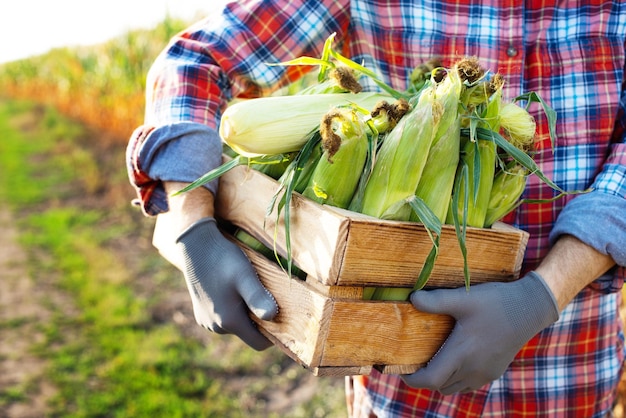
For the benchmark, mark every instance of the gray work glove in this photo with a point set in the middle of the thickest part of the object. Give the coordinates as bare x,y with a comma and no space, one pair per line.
493,322
223,284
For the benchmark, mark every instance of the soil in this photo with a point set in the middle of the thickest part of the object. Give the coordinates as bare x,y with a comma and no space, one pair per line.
21,304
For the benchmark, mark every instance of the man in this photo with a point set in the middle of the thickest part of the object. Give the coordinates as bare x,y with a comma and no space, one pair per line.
549,344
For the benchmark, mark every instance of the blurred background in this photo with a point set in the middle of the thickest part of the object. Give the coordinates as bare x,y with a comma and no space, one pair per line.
93,322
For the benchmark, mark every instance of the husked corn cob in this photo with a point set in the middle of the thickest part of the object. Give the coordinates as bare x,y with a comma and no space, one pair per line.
281,124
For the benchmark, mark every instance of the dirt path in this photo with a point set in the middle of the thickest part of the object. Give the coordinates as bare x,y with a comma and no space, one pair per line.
23,306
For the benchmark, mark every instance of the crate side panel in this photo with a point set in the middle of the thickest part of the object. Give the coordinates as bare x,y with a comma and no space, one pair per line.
302,321
379,333
393,254
318,237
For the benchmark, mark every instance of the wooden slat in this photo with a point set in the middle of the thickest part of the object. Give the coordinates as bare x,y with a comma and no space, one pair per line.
318,236
382,333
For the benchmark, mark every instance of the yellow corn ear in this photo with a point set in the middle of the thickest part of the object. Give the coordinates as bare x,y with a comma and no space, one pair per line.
519,126
337,174
281,124
401,160
506,191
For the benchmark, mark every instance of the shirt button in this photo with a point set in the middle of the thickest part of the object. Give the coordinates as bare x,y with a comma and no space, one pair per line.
511,51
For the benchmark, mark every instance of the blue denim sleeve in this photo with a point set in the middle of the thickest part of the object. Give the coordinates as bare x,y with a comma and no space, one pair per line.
597,219
182,152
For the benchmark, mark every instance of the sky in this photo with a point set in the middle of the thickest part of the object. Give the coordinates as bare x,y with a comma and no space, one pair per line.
33,27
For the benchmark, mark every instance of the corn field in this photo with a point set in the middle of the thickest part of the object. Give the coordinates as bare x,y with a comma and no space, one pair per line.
102,85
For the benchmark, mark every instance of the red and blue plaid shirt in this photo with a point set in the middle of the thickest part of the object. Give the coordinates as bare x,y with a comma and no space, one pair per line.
572,53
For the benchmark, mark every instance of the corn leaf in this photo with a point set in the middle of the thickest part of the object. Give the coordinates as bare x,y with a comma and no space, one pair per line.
326,52
433,226
282,198
429,265
229,165
518,155
365,71
304,61
462,178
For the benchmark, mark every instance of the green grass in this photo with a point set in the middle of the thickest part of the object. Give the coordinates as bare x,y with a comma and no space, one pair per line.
108,357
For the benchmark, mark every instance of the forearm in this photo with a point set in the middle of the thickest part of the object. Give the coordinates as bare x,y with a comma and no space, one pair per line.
187,208
570,266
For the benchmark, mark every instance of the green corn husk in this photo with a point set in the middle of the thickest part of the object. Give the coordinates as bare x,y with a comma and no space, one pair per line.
401,160
437,180
337,174
305,171
275,170
506,191
480,158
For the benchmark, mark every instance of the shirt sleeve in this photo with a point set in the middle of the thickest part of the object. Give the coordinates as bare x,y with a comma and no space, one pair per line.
227,55
598,218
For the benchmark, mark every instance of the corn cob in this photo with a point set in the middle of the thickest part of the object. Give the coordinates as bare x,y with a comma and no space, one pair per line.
345,144
508,186
518,125
281,124
479,155
437,180
401,160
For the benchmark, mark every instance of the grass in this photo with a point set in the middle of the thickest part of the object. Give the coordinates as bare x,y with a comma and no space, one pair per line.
107,355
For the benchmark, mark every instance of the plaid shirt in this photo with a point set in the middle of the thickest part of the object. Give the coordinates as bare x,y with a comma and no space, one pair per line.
572,53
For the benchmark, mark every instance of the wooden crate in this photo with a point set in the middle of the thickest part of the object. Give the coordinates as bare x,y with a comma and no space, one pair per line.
323,323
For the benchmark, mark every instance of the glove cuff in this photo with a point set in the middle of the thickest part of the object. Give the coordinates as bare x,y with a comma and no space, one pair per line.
185,235
533,317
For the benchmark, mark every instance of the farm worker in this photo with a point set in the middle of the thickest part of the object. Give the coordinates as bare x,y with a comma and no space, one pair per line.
549,344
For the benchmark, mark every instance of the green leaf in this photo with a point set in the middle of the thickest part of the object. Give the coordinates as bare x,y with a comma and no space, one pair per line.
229,165
282,198
429,265
518,155
365,71
462,177
433,226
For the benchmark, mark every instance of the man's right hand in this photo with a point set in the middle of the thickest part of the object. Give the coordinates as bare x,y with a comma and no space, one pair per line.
222,283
